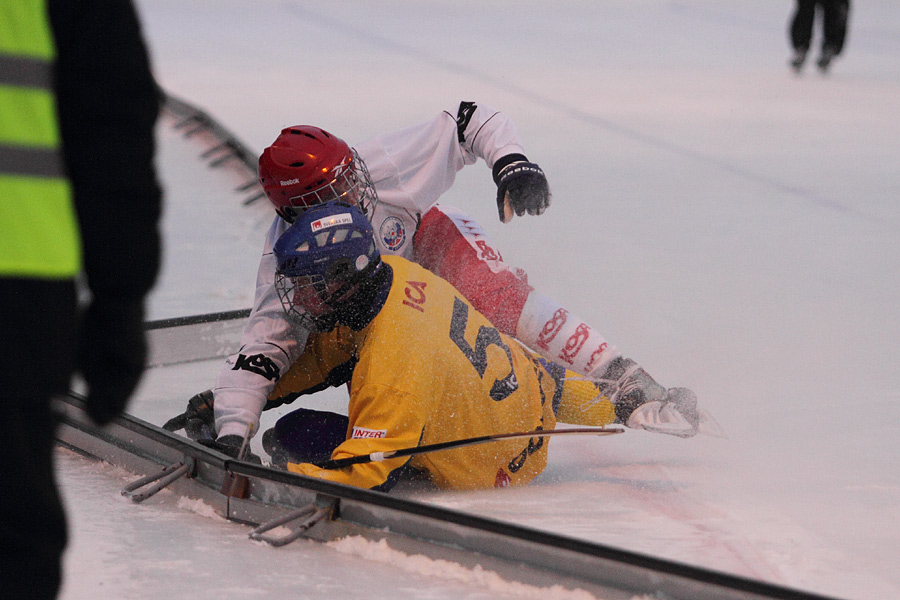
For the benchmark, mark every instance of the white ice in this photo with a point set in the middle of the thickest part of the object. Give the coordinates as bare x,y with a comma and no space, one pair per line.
731,226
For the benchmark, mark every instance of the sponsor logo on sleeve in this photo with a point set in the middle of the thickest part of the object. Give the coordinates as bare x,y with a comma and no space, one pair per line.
466,110
362,433
552,327
596,354
259,364
575,343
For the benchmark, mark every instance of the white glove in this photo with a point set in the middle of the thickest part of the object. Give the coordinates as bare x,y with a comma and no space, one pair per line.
641,403
664,417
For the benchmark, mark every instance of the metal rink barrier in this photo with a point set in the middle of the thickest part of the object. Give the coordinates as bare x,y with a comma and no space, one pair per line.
268,500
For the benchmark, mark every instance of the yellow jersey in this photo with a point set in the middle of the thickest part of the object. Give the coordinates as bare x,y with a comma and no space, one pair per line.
431,369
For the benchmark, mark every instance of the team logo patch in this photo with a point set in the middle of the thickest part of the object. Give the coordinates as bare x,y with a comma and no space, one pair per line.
393,233
360,433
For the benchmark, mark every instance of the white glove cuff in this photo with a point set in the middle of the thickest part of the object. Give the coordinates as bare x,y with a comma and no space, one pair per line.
661,418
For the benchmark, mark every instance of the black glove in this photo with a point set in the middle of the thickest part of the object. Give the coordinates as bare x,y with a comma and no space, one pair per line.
230,445
521,187
198,419
111,356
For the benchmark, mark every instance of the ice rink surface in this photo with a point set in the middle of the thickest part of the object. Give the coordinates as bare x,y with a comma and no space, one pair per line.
732,226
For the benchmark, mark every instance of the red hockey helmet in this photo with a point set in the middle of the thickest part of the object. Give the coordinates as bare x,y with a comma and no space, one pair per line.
306,166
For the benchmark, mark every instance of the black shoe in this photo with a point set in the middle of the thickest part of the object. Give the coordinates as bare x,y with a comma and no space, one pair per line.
798,60
825,59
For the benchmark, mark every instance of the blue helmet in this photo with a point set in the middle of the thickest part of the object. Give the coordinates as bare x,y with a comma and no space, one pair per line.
321,259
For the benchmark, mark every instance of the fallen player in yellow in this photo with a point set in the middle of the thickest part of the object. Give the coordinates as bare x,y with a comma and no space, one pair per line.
424,367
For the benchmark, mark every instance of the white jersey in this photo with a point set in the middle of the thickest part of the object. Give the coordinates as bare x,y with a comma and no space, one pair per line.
410,169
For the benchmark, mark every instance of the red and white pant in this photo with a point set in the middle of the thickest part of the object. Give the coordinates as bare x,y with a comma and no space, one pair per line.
452,245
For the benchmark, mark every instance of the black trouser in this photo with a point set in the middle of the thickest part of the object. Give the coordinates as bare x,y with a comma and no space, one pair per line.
37,337
834,24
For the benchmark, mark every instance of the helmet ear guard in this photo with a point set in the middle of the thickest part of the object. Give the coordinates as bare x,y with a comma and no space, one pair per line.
306,166
321,260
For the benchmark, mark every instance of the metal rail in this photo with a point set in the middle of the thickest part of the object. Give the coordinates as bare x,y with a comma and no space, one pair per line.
267,498
192,121
199,337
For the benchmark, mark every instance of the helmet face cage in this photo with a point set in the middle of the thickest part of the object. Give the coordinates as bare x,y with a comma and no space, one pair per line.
302,301
351,185
321,260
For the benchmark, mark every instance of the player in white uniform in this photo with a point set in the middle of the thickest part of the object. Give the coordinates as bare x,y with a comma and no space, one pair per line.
427,369
397,179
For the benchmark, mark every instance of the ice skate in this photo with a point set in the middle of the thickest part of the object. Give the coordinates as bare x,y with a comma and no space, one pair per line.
825,59
798,60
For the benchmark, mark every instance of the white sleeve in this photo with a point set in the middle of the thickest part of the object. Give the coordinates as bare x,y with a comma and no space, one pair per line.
412,167
487,133
269,346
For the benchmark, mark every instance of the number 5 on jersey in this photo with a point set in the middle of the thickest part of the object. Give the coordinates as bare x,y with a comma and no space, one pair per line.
487,336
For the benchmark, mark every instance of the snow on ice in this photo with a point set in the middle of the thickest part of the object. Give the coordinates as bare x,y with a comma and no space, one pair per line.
729,225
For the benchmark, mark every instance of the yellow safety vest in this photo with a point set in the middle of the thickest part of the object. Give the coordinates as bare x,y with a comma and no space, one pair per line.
39,236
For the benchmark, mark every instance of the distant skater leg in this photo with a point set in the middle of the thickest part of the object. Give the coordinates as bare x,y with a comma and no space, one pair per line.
801,31
834,30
